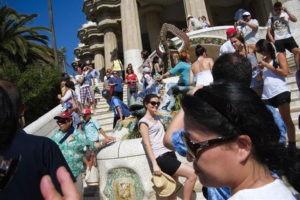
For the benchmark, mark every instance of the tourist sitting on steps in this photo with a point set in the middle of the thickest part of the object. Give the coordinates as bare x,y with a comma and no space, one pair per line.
121,111
163,159
71,143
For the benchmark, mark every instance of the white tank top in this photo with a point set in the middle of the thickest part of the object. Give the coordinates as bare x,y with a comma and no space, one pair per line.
204,78
156,136
273,84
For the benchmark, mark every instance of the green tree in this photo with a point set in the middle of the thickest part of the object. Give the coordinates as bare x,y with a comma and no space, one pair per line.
22,44
27,61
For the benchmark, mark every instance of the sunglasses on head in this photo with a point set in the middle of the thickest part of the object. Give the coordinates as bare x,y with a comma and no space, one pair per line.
195,149
154,103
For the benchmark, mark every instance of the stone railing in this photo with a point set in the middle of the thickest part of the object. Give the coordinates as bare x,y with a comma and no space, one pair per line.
44,125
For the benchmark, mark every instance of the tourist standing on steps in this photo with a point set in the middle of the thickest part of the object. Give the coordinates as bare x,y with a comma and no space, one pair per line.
147,80
121,111
205,23
201,68
249,28
117,83
163,159
70,96
238,42
276,92
131,80
85,90
157,71
227,46
38,155
193,23
71,143
117,66
282,38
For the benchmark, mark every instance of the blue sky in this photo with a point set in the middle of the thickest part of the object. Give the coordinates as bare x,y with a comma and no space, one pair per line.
67,16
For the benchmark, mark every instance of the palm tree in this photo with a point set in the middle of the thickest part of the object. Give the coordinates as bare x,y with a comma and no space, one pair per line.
21,44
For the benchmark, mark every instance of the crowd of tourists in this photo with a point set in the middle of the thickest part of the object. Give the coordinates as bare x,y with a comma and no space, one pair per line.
228,125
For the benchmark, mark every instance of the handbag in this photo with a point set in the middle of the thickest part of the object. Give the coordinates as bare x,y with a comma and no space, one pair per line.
74,103
92,175
133,88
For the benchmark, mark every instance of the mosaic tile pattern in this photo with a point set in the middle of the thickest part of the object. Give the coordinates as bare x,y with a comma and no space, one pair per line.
205,40
123,184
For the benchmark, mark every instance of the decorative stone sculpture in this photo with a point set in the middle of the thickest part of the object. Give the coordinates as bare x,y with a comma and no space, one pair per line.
168,49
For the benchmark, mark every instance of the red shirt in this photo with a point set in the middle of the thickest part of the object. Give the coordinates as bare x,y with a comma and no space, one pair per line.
130,77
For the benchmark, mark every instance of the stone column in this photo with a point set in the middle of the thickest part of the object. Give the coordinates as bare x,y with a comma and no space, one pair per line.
153,23
99,63
196,8
131,35
110,46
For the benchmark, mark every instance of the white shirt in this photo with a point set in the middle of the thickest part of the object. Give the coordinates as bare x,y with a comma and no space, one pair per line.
85,82
272,191
227,48
251,36
273,84
281,26
196,23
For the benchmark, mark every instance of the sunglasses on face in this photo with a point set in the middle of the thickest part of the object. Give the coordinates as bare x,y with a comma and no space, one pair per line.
62,121
154,103
195,149
277,9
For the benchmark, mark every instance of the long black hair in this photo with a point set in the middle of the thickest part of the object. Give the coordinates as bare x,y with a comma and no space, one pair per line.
8,119
264,45
232,109
200,50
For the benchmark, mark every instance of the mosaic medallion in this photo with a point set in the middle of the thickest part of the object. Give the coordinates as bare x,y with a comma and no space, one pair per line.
123,184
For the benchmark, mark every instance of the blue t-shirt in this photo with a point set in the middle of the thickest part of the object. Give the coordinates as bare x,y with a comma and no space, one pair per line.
184,69
91,129
119,81
114,102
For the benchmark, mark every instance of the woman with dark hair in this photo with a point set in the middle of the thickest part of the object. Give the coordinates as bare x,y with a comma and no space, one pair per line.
131,80
146,60
163,159
238,42
70,95
156,72
201,68
182,67
276,92
233,141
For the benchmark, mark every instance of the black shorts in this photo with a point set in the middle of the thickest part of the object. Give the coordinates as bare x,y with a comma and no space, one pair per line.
279,99
168,162
288,43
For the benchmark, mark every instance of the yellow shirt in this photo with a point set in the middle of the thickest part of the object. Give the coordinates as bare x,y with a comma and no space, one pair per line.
117,65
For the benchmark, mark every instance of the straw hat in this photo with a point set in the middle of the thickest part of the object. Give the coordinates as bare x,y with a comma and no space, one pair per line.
165,185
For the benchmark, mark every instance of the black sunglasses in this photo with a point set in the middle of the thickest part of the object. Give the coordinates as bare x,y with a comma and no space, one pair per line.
153,103
62,121
277,9
193,147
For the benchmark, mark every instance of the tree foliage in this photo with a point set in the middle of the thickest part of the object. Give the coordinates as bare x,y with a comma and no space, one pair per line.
19,43
27,61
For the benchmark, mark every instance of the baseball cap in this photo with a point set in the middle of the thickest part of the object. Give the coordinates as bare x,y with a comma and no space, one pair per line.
146,69
230,31
246,13
67,105
86,111
105,93
64,115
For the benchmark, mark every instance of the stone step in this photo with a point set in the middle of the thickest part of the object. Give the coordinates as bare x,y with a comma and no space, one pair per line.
104,115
